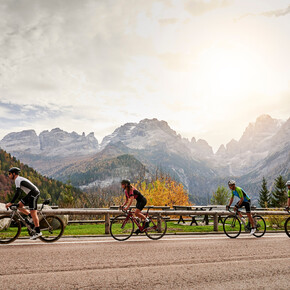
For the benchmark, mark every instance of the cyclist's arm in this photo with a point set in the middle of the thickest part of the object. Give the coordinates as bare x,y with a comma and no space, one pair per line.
130,202
16,195
288,202
231,201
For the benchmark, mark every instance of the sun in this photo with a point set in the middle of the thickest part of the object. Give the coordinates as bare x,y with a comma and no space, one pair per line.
226,72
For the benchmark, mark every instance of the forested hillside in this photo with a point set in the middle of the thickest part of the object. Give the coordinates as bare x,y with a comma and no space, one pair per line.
60,193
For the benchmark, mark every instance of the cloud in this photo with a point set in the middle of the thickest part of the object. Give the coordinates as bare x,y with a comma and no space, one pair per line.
200,7
277,13
270,13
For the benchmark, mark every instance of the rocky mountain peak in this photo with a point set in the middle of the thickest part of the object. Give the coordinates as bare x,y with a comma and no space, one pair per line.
146,133
49,143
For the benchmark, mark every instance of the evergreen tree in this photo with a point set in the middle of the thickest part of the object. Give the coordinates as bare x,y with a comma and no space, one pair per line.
221,196
279,197
264,195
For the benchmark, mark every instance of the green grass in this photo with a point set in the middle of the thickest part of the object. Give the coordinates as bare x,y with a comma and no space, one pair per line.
99,229
172,227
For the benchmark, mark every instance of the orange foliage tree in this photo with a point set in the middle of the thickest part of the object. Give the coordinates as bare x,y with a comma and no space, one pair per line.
164,191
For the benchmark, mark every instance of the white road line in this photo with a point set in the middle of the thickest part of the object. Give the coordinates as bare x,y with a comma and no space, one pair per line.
135,239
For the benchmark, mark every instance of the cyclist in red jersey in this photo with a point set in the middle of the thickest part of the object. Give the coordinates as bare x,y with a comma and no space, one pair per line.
132,193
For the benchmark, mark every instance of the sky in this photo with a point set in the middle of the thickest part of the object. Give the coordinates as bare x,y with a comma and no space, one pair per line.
206,67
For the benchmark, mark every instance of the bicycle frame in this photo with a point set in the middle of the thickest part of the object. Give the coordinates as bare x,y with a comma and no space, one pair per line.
16,214
130,215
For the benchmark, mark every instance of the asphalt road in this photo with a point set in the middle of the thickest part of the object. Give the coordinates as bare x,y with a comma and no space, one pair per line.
174,262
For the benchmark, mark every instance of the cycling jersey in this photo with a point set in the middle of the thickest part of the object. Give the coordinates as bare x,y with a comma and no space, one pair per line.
239,192
24,184
288,193
134,192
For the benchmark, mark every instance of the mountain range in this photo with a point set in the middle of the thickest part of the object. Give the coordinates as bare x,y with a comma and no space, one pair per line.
135,150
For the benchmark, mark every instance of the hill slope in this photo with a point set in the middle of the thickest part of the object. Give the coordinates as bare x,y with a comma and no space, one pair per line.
49,188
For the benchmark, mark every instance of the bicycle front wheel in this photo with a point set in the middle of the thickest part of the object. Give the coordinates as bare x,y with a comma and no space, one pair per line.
157,227
260,226
9,229
287,227
121,228
52,228
232,226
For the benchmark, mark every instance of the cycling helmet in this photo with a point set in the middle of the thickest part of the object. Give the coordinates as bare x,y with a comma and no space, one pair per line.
15,170
125,181
288,182
231,182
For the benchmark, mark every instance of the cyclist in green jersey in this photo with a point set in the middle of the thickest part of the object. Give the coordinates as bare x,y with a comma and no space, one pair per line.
288,202
244,201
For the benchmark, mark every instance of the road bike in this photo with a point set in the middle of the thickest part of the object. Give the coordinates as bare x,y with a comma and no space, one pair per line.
232,225
287,225
122,226
52,227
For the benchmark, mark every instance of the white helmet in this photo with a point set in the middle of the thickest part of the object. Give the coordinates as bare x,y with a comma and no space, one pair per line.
231,182
288,182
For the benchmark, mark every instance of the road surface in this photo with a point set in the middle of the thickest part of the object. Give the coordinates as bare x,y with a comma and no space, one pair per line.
174,262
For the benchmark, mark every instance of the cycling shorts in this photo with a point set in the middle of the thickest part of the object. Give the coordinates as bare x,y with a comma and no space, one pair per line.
31,199
141,203
246,204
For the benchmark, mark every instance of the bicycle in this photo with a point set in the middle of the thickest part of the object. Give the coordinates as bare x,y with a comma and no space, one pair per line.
122,226
287,225
52,227
232,225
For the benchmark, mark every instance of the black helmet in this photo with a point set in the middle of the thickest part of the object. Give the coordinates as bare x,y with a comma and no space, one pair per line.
15,170
125,181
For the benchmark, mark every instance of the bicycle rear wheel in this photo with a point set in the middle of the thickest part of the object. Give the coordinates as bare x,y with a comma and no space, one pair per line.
121,228
9,229
287,227
260,226
157,227
232,226
52,228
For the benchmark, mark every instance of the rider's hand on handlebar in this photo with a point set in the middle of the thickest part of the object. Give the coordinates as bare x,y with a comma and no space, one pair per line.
227,207
7,205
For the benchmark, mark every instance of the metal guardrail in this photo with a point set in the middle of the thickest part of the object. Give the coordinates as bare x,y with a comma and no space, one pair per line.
168,212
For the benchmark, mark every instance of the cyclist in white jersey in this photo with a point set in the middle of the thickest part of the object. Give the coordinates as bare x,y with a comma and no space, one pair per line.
30,200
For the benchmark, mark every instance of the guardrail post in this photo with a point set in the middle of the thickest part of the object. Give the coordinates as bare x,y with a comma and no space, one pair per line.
159,222
107,223
215,222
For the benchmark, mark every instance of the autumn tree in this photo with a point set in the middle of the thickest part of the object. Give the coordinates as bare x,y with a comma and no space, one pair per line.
164,191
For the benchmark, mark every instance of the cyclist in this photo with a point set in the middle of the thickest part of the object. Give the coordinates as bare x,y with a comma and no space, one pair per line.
32,194
132,193
288,202
244,201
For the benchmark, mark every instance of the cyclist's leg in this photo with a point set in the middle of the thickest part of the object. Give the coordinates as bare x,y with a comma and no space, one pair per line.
251,219
33,198
21,207
139,207
247,205
34,217
139,214
239,213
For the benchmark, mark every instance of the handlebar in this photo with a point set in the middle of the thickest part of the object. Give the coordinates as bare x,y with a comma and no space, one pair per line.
13,206
126,211
232,211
